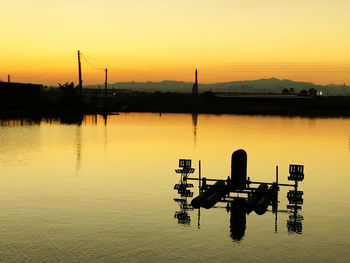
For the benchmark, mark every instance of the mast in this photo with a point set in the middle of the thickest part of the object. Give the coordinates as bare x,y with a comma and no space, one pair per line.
195,85
196,77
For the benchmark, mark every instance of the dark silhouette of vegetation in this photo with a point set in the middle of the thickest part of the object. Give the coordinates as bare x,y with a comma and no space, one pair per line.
303,93
67,98
208,95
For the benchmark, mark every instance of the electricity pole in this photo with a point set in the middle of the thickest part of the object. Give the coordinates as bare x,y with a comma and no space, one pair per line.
80,80
106,84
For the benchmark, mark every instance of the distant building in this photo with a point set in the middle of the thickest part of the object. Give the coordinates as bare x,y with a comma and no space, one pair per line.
19,95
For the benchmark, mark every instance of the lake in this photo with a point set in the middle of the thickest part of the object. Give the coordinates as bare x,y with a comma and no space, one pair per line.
101,190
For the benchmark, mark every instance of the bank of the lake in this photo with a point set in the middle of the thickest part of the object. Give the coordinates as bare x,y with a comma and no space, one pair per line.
252,104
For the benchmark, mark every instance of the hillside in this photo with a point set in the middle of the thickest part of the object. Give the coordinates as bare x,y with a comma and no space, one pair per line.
272,85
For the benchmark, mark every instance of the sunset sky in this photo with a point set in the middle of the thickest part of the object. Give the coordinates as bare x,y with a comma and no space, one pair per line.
153,40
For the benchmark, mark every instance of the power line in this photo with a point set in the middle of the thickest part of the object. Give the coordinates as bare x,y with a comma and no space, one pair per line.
47,72
58,67
91,65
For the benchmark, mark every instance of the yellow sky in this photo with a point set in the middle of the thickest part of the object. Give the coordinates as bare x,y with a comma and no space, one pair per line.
153,40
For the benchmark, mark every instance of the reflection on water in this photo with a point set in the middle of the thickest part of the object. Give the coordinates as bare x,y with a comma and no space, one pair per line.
182,216
194,123
79,146
105,117
238,215
65,119
71,118
20,122
182,189
294,223
237,219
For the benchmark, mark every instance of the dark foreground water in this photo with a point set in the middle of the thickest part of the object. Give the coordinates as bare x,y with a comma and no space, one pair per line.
92,192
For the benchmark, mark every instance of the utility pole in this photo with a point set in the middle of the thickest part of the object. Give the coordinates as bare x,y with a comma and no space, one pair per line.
8,78
80,80
106,84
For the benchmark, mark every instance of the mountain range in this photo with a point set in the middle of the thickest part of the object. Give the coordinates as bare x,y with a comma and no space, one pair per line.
271,85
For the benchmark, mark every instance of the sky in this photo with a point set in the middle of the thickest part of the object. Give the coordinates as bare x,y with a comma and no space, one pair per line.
154,40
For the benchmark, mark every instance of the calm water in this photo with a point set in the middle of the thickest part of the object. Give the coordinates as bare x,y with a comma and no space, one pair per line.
104,193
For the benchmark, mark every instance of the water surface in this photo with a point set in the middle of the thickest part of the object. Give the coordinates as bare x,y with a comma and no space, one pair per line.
90,192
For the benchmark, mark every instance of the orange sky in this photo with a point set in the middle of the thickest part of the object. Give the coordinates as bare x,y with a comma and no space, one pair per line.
157,40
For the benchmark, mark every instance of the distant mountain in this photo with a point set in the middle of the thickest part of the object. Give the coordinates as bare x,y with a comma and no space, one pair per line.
272,85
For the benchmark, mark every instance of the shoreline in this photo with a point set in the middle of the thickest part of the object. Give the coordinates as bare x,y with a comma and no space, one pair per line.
186,103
